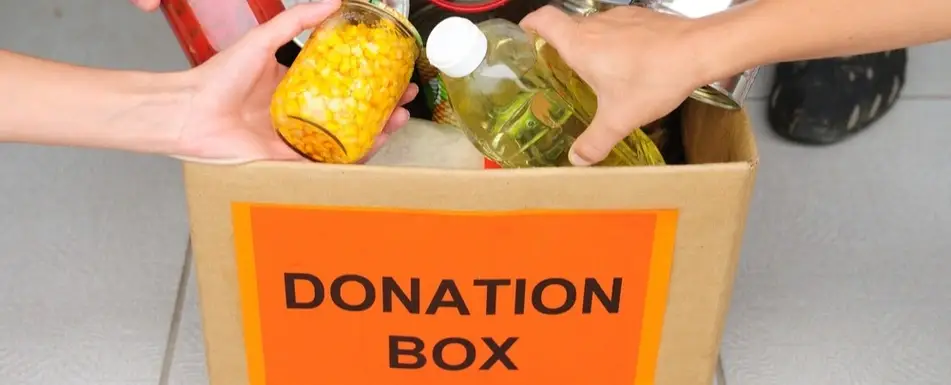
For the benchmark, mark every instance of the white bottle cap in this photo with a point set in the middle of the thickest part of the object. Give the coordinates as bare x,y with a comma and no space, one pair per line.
456,47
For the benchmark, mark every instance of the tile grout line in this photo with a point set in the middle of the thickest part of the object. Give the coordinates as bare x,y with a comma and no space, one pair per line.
175,325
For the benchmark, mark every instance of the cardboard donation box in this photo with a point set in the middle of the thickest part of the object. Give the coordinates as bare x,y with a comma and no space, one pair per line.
369,275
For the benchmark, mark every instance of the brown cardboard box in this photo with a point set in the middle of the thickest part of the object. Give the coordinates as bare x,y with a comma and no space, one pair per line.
308,273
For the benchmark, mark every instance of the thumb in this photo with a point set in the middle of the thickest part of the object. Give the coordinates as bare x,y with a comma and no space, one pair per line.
288,24
554,26
608,128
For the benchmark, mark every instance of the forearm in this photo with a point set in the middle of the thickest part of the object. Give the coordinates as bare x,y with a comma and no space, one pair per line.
44,102
770,31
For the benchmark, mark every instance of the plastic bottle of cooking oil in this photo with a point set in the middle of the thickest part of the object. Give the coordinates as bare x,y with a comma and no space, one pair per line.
519,103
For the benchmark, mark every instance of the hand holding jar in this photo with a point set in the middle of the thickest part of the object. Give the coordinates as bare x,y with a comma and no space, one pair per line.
229,118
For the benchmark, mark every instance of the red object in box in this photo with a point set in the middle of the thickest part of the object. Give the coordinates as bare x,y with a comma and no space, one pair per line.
206,27
469,6
488,164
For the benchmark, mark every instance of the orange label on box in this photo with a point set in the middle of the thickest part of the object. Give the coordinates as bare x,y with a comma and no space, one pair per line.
408,297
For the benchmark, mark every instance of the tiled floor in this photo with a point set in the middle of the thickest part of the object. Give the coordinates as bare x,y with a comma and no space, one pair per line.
92,242
843,279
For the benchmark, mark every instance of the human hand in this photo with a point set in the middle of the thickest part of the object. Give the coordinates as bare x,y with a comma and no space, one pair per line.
229,118
642,64
146,5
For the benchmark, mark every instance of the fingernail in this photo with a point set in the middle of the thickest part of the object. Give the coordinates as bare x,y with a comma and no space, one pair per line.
577,160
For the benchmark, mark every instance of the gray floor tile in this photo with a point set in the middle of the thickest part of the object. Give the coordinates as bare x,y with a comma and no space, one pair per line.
93,241
92,247
927,71
188,360
102,33
843,278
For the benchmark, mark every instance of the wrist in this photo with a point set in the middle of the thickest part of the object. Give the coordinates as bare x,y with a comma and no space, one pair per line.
159,106
724,45
60,104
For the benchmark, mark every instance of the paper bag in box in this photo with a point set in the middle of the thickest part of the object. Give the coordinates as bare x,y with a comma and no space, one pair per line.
317,274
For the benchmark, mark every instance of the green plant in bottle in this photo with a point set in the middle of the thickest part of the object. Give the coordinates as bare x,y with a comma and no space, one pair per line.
517,100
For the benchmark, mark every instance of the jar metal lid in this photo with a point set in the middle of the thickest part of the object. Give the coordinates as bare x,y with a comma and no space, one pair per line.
400,16
401,6
398,9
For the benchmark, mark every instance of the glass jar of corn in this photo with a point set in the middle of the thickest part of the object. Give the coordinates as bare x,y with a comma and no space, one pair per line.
347,79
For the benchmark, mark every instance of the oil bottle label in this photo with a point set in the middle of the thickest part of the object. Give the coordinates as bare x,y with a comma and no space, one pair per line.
540,127
437,92
547,113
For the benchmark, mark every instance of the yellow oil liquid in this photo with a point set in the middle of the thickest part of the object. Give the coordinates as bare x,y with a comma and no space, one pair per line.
524,107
